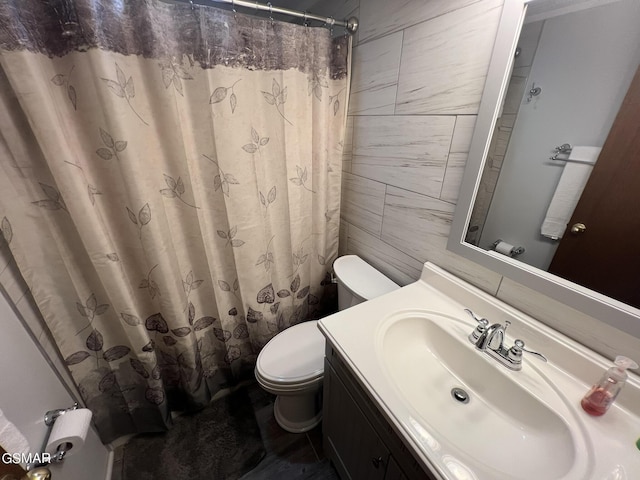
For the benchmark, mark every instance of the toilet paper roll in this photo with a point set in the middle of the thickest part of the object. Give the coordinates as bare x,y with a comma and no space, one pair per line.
504,248
71,428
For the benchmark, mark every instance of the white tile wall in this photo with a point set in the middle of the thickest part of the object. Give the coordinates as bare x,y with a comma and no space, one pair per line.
462,134
398,266
453,177
403,136
362,202
406,165
404,170
396,150
347,151
381,17
413,221
344,235
457,157
374,79
339,9
445,60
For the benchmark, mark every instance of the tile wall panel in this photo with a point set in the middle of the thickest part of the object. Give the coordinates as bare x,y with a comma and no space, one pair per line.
362,202
413,221
403,136
344,235
381,17
347,148
462,133
400,267
419,226
445,60
453,177
396,150
374,79
340,9
422,176
457,157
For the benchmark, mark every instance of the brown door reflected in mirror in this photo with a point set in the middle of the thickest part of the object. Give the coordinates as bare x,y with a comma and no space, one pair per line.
9,470
609,203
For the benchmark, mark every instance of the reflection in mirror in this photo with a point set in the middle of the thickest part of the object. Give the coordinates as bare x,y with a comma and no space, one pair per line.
530,200
558,186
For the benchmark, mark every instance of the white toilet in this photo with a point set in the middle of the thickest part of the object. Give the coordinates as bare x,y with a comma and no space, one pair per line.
291,365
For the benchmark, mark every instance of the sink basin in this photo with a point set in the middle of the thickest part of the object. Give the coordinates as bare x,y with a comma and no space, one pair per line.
409,349
504,426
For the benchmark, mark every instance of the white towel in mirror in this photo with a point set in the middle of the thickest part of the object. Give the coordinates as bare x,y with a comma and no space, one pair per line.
574,177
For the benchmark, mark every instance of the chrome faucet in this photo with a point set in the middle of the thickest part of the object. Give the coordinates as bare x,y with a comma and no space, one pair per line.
490,340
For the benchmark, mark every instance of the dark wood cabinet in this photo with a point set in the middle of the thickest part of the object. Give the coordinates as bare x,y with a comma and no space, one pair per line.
357,437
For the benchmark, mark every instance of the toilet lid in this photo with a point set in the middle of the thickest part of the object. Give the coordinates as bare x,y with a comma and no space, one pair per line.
361,278
294,355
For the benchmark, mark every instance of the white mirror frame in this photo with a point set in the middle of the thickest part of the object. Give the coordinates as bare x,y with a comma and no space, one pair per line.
589,302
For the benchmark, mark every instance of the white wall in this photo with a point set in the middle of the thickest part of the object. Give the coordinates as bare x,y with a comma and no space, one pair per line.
527,45
584,64
30,387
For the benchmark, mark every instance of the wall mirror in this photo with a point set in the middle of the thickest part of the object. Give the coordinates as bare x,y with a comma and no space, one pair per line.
545,147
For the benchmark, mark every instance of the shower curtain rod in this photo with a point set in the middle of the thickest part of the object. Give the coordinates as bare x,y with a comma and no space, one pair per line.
350,24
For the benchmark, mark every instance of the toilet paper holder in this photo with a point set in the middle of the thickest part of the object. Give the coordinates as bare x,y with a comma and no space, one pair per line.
49,419
51,416
515,251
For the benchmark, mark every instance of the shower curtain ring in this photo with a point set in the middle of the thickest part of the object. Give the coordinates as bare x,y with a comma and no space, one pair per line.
192,5
233,8
270,12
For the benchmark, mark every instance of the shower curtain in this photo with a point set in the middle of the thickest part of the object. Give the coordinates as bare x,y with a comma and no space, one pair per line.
170,190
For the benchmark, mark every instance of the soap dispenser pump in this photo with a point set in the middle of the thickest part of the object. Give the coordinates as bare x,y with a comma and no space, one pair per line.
602,395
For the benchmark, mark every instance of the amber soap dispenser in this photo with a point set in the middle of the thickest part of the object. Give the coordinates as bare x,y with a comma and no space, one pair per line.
602,395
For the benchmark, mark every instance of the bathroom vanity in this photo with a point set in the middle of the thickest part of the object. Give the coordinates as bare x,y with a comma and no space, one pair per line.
358,438
408,395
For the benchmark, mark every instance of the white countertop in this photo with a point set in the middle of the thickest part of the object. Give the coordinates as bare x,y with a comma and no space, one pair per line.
605,446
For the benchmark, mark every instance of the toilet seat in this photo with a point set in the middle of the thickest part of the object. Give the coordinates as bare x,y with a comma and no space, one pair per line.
290,388
293,359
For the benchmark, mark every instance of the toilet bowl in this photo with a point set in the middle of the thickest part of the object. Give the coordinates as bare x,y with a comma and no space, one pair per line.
291,364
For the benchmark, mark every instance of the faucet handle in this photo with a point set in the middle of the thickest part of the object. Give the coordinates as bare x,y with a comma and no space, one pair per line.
481,321
515,352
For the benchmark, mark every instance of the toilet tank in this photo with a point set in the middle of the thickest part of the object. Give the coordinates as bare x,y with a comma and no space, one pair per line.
358,281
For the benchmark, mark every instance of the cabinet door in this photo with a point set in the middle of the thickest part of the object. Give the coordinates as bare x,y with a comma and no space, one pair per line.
353,445
393,471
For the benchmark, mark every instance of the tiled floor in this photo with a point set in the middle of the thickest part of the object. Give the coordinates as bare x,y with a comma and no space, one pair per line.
289,456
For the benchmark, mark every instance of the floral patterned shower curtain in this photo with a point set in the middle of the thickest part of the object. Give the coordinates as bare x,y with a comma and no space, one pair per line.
170,190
